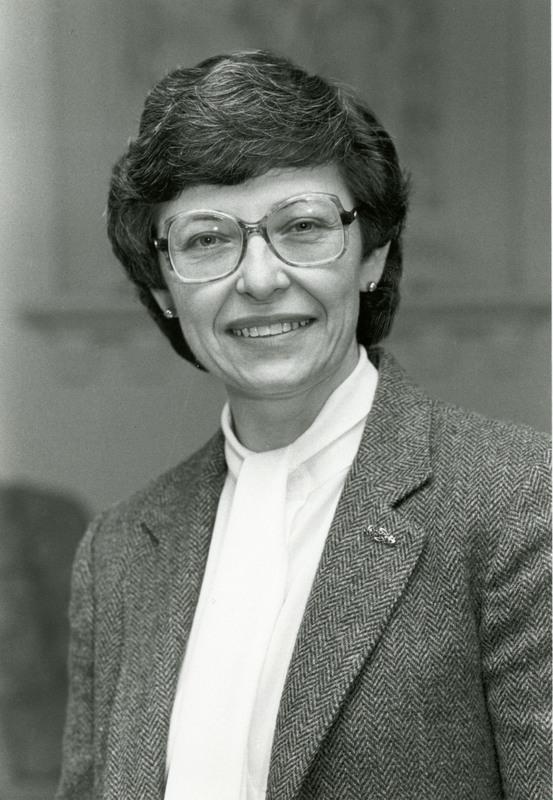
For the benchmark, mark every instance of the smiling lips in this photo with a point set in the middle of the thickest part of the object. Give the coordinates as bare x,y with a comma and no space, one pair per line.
274,329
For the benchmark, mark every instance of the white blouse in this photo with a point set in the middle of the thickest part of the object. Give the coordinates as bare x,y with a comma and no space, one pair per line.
273,518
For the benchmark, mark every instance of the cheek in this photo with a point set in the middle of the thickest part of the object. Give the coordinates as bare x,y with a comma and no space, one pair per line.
197,307
343,292
198,313
196,323
344,307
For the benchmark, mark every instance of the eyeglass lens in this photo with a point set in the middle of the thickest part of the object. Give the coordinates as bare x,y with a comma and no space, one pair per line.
207,244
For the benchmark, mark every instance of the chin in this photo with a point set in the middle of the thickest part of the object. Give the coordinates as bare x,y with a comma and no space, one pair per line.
278,381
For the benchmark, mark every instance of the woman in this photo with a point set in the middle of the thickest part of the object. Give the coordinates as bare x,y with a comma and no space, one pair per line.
344,593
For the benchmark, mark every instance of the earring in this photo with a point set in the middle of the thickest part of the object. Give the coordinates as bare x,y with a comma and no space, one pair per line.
169,313
372,287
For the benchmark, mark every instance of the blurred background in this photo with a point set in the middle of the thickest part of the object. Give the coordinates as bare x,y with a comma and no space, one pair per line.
93,403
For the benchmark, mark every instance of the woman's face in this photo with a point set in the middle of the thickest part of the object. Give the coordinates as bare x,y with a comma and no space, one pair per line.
305,317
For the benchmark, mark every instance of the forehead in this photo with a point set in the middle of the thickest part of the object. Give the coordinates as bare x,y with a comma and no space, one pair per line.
252,199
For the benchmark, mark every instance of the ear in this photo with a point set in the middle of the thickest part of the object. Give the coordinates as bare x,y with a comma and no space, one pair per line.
373,266
163,299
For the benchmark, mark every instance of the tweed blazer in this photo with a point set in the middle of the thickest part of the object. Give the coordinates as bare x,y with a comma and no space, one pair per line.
422,665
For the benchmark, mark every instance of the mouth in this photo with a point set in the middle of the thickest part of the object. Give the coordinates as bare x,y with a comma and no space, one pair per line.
273,329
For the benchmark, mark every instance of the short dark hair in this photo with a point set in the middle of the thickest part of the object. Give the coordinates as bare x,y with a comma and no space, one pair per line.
234,117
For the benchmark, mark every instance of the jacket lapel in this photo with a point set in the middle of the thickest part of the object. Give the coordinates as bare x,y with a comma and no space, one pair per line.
179,527
368,558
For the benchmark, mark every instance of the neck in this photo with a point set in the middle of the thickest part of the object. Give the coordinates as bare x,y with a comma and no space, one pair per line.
262,425
269,423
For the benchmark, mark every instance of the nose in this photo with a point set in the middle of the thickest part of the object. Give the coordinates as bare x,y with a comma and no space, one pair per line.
261,272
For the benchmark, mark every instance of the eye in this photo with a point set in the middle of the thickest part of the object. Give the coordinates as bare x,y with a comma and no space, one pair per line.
200,241
205,240
303,226
305,230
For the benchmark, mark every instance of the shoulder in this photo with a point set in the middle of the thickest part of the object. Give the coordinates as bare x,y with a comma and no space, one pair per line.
463,439
484,488
121,531
467,436
493,462
496,475
479,476
204,464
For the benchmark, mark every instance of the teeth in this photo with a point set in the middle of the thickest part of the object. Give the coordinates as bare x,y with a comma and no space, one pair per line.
274,329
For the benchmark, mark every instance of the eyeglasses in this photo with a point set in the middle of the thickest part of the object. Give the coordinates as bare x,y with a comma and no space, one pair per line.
307,230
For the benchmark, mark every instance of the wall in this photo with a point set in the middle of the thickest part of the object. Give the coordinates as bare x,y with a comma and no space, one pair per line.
92,401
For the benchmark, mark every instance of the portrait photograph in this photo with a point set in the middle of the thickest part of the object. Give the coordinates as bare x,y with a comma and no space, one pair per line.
275,400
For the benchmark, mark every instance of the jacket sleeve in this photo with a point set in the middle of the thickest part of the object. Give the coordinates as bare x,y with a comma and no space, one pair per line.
516,652
77,778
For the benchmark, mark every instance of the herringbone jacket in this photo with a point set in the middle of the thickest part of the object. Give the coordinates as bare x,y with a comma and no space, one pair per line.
421,668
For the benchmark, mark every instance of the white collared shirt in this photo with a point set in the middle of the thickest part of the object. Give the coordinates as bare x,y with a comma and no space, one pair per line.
314,467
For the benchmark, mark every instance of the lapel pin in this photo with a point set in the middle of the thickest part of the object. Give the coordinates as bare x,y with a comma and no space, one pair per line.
381,535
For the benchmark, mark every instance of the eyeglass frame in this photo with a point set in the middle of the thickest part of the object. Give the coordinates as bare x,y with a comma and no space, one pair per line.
260,227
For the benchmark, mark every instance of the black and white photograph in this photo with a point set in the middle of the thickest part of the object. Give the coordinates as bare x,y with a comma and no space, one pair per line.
275,400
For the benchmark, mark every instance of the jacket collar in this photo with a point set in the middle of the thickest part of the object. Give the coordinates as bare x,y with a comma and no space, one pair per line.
193,487
395,450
